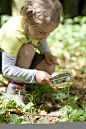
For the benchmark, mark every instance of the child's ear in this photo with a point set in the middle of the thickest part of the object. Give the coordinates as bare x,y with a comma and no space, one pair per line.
25,19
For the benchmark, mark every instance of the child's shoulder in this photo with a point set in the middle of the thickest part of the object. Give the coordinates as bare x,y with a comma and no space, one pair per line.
14,21
12,25
13,28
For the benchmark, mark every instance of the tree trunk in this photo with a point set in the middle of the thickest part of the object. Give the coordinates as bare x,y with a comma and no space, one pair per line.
83,12
5,7
71,7
16,6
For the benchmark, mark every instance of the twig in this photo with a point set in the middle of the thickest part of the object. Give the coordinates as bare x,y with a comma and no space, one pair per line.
13,110
47,115
31,113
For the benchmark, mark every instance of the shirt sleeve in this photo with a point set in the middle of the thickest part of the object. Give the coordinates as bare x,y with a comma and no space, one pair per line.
12,42
14,72
45,47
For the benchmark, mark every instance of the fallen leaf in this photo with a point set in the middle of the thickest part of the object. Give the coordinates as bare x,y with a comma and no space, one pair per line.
55,113
2,89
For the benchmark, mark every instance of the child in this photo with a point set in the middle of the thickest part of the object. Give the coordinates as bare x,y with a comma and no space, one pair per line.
18,39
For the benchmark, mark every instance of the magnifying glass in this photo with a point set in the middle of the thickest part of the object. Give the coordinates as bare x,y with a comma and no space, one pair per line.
60,78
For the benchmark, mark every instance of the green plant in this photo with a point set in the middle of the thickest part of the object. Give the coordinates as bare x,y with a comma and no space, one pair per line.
67,43
5,18
72,114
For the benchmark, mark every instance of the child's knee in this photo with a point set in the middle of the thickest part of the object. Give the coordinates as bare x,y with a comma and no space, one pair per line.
25,56
51,69
27,50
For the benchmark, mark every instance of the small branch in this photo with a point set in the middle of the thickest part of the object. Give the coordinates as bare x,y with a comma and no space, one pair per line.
31,114
47,115
14,110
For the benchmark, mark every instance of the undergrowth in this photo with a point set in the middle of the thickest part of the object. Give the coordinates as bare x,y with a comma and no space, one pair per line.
68,44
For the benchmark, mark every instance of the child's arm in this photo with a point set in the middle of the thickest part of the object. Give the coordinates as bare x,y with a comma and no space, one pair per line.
21,74
50,59
11,71
45,47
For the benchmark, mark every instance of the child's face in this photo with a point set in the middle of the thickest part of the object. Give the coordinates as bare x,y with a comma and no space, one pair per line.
41,32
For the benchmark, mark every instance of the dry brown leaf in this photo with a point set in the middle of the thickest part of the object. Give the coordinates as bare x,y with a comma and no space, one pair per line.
55,113
4,80
2,89
17,111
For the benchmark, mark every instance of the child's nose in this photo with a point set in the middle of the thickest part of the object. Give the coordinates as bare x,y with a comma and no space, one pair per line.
46,35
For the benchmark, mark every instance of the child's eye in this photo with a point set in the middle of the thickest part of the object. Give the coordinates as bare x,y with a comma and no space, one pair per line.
41,32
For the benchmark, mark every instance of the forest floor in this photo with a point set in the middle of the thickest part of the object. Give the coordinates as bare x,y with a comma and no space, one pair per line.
49,110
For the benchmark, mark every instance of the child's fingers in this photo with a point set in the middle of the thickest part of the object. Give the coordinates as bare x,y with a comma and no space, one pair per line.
49,61
42,77
54,60
53,85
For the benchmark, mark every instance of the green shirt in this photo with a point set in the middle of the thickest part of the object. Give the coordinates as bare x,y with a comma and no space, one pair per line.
12,36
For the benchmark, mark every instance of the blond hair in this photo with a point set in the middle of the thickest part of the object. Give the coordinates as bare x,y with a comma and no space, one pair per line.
46,12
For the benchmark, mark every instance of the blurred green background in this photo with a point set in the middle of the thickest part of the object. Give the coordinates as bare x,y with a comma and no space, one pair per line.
71,8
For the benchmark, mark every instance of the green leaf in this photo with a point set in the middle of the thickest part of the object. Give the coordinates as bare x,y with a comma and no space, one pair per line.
79,112
73,105
46,122
14,118
83,105
68,108
61,95
28,106
76,114
24,122
2,118
2,123
82,118
1,76
3,111
84,114
64,86
74,80
72,113
64,120
62,109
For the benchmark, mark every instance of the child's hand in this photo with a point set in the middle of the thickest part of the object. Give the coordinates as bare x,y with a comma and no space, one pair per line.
42,77
50,59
